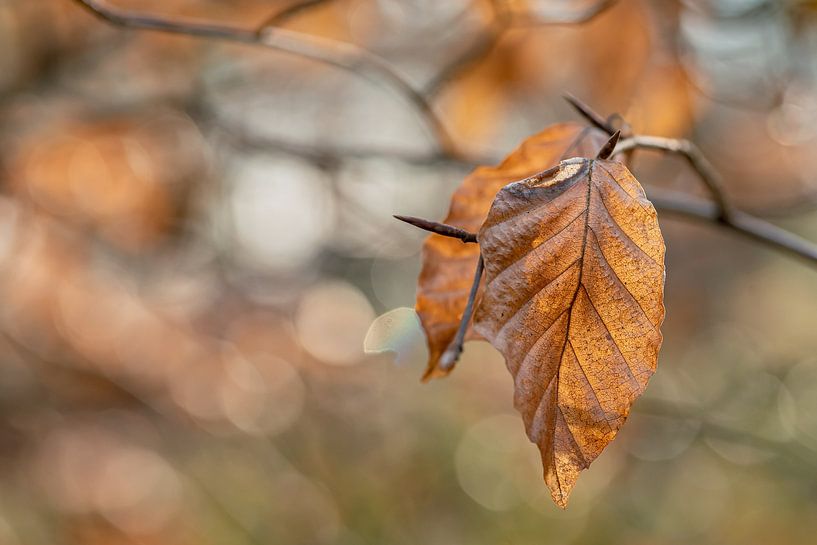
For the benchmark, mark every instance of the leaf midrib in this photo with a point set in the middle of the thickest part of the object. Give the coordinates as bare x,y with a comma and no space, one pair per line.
567,329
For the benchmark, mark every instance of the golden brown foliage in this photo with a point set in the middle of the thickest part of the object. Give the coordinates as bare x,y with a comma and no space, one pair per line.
448,264
573,299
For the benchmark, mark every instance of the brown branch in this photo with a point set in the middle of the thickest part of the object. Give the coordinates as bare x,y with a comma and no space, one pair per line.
439,228
696,159
742,223
342,55
719,211
452,353
352,58
589,114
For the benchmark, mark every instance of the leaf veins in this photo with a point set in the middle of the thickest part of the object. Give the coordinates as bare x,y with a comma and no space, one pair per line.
448,264
573,298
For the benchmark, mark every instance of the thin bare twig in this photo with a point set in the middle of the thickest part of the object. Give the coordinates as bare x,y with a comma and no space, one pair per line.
710,177
439,228
739,222
589,114
719,211
454,349
696,159
452,353
352,58
342,55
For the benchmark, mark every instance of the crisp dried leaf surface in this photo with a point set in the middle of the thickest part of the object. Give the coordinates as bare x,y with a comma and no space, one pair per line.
573,298
448,264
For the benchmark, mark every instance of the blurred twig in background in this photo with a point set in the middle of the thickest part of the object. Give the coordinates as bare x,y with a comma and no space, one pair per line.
195,239
352,58
342,55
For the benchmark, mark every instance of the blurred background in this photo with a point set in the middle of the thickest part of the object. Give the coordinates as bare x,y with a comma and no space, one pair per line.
196,239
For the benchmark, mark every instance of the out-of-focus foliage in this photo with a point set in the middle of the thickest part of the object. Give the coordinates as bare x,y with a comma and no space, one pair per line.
196,237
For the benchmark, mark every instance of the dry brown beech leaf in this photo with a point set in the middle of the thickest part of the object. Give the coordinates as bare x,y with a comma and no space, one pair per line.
573,298
448,264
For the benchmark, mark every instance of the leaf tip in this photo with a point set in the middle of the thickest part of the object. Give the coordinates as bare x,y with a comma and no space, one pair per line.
560,488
